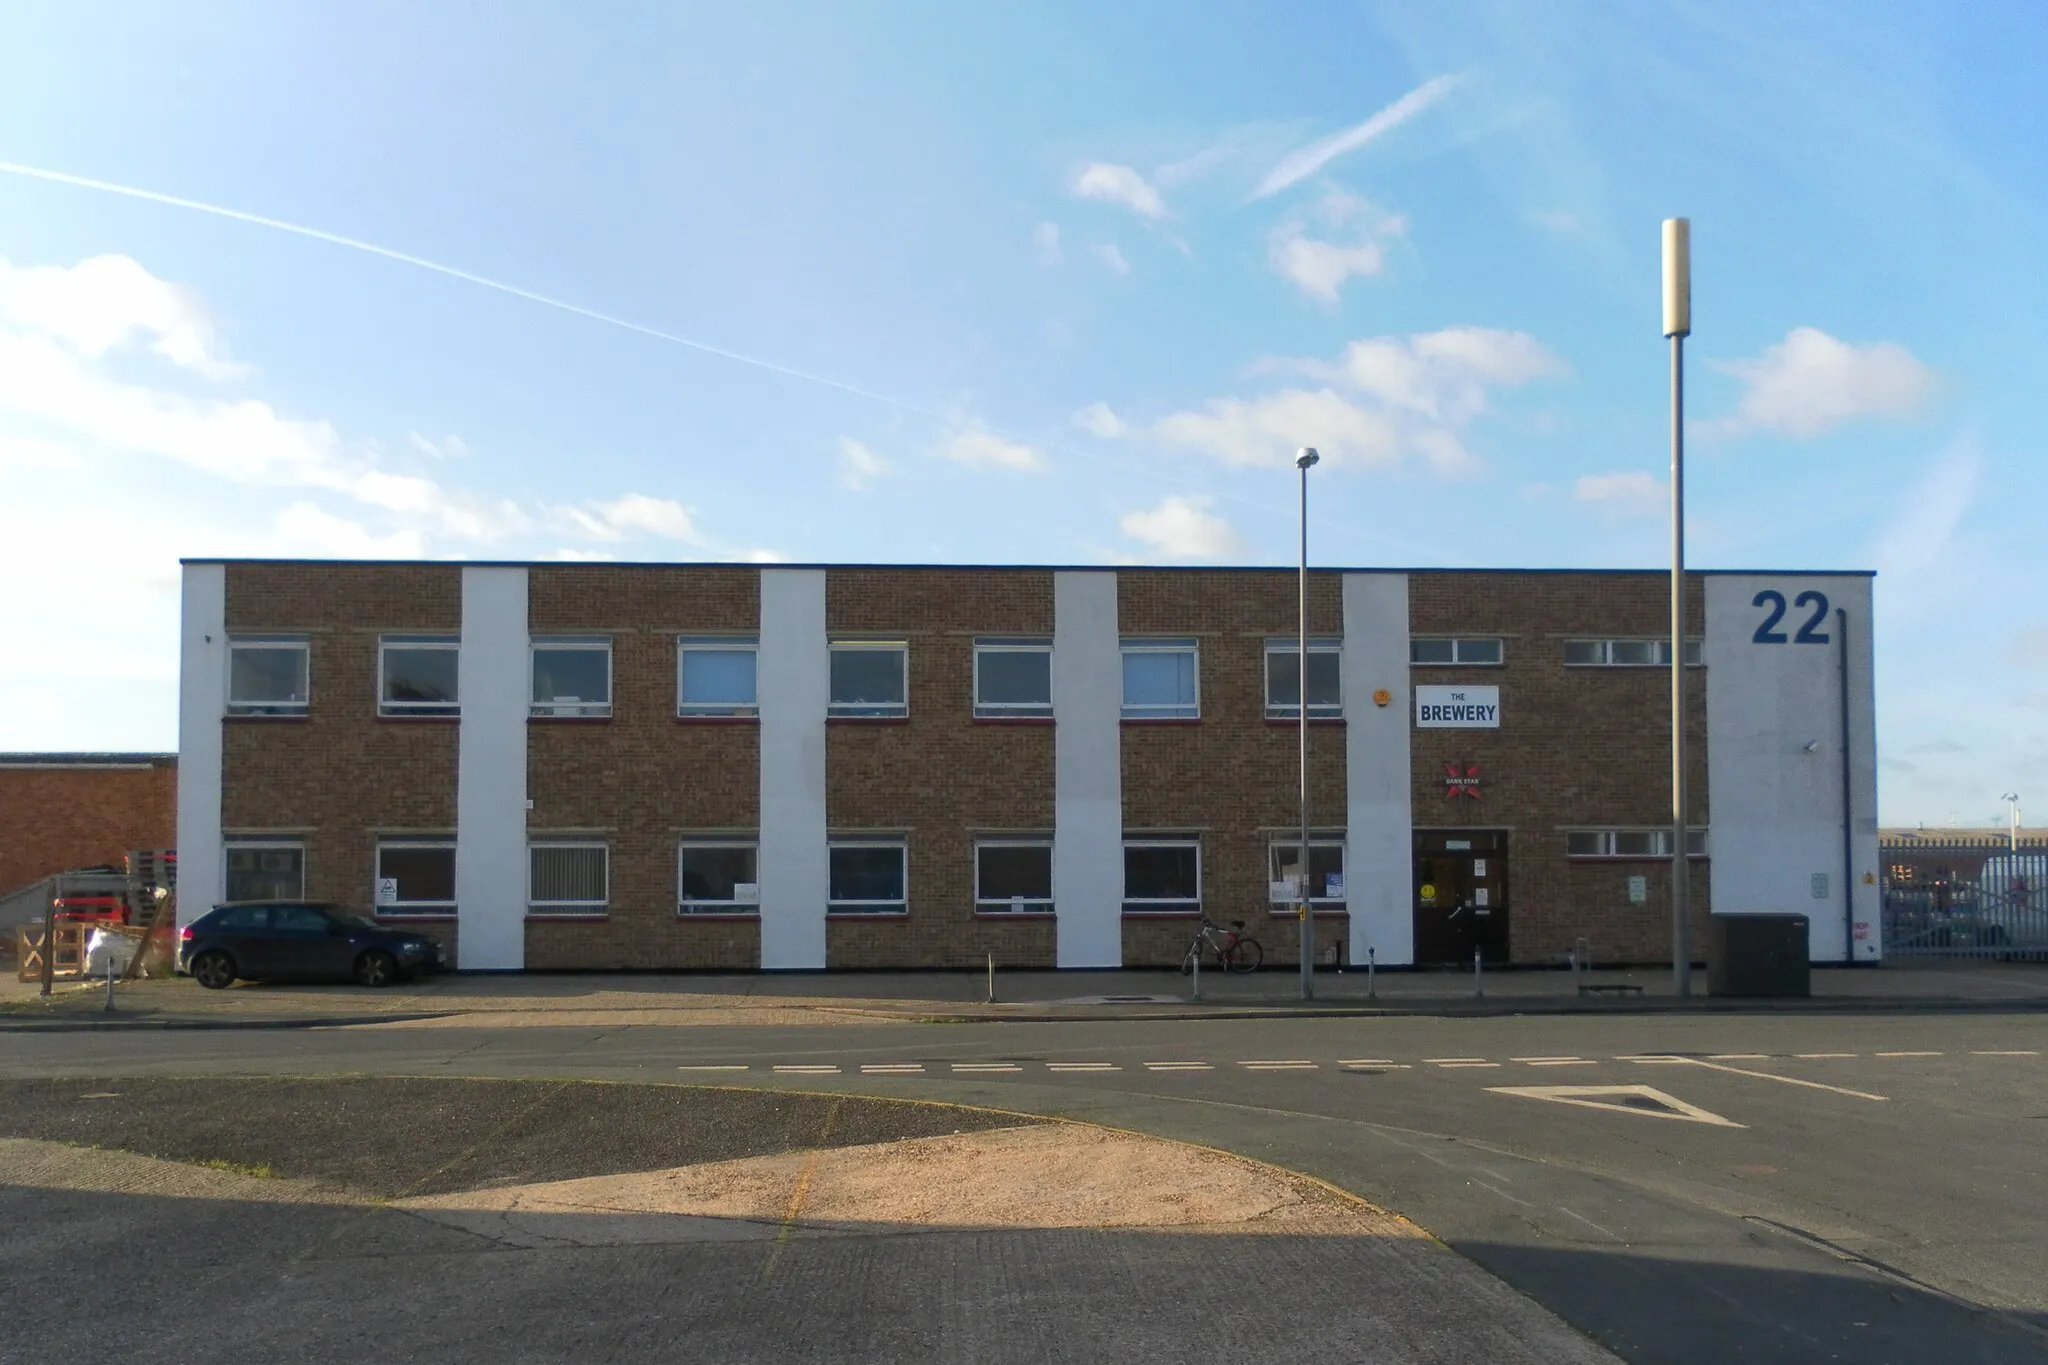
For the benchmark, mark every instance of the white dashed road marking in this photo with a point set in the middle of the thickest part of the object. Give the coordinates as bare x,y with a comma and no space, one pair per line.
892,1068
742,1066
1278,1066
2017,1052
1387,1062
1082,1066
807,1070
987,1068
1553,1061
1178,1066
1909,1054
1737,1056
1820,1056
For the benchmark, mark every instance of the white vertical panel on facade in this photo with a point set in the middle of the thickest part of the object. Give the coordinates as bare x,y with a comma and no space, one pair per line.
1379,854
202,701
1776,756
1088,803
490,782
793,682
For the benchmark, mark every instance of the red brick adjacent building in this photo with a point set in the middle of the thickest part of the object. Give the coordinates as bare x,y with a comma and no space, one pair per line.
65,811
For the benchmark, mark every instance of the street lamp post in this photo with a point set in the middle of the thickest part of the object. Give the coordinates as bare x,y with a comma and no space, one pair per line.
2012,836
1304,460
1678,326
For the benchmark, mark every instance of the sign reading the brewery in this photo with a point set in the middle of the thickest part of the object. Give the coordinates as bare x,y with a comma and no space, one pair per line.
1462,779
1457,708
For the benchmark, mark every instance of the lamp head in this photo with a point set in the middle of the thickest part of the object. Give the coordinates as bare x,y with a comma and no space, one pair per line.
1306,458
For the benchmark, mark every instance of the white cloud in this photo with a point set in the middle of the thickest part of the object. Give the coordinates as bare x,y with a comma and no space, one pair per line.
979,449
101,304
1299,165
1383,397
1319,269
571,555
1810,383
314,532
859,466
1113,184
1099,419
634,514
449,447
1628,494
1045,240
1179,528
1111,258
766,557
1920,539
1561,221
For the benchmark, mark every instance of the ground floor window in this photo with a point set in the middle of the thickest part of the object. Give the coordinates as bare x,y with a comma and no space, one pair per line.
1325,871
415,877
1631,843
1013,877
1162,876
265,870
717,878
568,878
869,877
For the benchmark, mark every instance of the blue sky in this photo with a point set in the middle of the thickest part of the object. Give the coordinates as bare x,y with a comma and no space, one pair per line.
1046,283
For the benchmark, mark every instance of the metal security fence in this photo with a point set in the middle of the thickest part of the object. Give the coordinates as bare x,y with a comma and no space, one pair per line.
1965,898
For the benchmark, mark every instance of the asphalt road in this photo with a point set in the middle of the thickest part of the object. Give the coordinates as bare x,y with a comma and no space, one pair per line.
1849,1188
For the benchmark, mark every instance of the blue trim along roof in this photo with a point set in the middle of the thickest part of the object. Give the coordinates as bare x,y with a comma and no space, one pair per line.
1037,568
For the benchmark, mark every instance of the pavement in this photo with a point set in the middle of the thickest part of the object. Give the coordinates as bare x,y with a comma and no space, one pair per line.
344,1219
818,999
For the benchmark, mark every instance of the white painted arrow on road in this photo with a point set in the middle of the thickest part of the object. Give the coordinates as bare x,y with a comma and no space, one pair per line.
1644,1100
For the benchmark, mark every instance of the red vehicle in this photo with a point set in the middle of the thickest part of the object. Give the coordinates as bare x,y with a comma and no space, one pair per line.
100,907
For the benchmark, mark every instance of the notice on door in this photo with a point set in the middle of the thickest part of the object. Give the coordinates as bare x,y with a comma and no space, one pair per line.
1457,708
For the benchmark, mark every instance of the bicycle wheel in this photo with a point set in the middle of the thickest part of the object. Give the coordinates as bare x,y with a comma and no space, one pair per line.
1245,956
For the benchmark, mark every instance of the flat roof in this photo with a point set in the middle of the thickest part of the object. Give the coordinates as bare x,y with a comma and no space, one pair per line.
1006,568
86,760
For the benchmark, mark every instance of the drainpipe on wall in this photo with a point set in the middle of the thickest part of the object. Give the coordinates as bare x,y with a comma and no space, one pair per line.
1848,806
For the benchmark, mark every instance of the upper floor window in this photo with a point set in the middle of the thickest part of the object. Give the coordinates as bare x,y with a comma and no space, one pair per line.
1456,649
1012,678
267,675
870,678
1283,679
572,677
1631,843
1160,680
417,675
715,676
1628,653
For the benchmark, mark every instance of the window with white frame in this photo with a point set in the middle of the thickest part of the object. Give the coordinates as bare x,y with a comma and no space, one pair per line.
265,869
1325,870
1473,650
715,676
1325,680
717,877
868,877
1631,843
416,675
1161,680
415,877
1012,678
1013,876
869,679
1628,653
1163,876
268,675
572,677
568,877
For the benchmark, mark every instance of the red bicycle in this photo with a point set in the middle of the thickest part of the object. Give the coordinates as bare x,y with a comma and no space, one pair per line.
1236,951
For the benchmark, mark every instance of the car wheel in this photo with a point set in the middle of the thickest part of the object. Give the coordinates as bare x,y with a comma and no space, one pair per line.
376,968
214,970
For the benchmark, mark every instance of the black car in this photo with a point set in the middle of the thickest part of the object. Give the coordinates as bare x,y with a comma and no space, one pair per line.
300,941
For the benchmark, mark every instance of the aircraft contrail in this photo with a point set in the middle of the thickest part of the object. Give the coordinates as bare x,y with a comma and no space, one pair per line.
356,244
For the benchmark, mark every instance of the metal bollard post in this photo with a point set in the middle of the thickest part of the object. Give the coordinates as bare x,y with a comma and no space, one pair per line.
1478,981
1370,992
991,978
109,1006
1198,971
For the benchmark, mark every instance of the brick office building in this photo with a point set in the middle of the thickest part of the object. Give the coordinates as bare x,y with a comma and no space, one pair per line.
717,766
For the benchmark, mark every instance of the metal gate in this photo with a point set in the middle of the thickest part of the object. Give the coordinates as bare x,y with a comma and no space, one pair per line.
1965,898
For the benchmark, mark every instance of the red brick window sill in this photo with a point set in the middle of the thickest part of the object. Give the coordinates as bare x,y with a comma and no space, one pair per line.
719,720
1160,720
716,917
1000,915
596,918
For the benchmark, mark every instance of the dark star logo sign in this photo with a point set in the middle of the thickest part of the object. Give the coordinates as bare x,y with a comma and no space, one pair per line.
1461,779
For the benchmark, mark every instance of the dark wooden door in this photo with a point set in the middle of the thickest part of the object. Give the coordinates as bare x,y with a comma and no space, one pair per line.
1461,897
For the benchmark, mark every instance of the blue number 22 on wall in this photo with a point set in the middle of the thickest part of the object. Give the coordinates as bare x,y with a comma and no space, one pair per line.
1768,632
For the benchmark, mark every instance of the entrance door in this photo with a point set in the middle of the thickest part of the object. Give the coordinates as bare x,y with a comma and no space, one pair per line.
1461,896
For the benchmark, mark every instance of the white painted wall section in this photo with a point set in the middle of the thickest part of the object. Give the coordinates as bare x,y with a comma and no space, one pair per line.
1088,800
202,701
1776,755
490,782
1379,854
793,682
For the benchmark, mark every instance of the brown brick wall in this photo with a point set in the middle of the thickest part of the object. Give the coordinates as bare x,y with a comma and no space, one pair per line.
939,776
1232,776
1576,747
643,777
56,819
341,775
